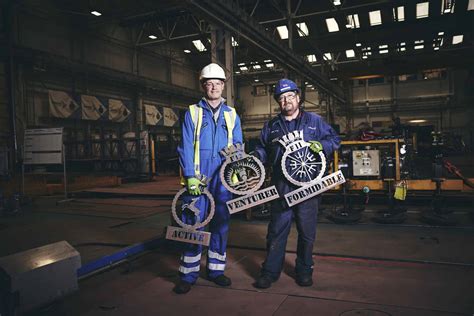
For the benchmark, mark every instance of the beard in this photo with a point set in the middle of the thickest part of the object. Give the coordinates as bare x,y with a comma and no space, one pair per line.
289,110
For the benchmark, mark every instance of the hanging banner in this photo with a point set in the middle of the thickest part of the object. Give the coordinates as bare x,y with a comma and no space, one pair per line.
152,115
92,108
61,104
170,117
118,112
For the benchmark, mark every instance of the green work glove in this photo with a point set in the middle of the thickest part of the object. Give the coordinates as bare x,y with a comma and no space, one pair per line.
193,186
315,146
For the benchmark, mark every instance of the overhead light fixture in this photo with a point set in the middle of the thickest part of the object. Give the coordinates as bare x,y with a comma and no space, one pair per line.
270,65
199,45
419,44
302,29
153,37
332,25
244,68
353,21
399,14
422,10
311,58
234,42
375,17
282,31
96,13
457,39
236,72
241,64
267,61
350,53
358,44
417,121
337,2
256,80
187,51
257,67
328,56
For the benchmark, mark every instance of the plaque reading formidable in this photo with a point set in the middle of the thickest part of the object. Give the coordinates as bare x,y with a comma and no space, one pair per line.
244,174
308,191
304,168
189,232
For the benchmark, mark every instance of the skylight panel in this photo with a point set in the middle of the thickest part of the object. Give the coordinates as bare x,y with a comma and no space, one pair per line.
327,56
244,68
234,42
422,10
457,39
399,14
358,44
187,51
311,58
270,65
419,44
302,29
282,31
353,21
332,25
470,5
350,53
153,37
447,6
199,45
375,18
257,67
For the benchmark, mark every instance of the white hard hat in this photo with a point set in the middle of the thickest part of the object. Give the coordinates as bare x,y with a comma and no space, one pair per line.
212,71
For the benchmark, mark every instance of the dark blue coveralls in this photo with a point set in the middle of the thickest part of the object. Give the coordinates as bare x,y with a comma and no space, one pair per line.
270,151
213,139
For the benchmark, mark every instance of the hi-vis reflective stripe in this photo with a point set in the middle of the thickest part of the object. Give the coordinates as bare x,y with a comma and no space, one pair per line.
216,266
196,116
188,270
229,118
215,255
187,259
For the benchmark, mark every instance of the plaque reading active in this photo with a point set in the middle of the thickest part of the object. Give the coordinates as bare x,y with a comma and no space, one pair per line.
185,203
243,174
304,168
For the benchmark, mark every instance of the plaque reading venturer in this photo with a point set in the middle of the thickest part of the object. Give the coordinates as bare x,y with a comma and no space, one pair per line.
243,174
188,232
304,168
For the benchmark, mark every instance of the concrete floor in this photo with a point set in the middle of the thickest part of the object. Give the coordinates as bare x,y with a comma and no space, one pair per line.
362,269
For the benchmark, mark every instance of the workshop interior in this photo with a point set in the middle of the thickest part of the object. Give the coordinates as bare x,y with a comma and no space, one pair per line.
93,95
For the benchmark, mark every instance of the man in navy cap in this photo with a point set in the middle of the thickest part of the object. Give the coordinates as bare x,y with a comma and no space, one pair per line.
321,136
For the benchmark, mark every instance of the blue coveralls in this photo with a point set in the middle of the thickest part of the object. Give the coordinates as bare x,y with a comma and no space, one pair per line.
271,151
213,139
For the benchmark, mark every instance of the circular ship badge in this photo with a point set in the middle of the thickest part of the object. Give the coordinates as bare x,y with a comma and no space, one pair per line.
302,167
243,174
185,206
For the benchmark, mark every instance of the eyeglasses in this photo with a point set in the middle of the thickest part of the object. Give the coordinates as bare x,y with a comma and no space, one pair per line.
213,84
287,98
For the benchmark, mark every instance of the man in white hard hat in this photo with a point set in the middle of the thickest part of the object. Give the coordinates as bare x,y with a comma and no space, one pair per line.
209,126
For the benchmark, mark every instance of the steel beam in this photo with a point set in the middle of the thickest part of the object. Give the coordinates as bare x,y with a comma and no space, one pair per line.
233,18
